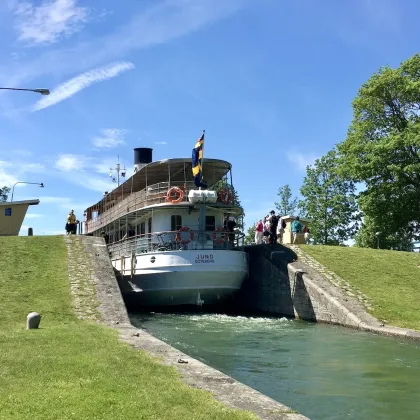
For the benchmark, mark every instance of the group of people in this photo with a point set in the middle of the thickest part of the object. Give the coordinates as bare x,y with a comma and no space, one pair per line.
272,228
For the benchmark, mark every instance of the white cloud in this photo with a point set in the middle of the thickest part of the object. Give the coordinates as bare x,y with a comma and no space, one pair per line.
7,178
160,23
78,83
33,216
95,184
34,167
300,160
48,22
14,171
22,152
64,202
111,137
161,142
80,170
69,162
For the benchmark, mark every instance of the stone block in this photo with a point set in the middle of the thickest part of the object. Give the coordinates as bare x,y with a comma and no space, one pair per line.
32,320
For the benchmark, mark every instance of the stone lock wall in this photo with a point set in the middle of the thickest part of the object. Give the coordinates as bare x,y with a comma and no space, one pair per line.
279,284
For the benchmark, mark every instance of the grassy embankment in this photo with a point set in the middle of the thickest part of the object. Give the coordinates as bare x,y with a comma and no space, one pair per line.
73,369
390,279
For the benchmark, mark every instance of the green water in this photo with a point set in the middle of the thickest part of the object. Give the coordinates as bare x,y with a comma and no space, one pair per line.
322,371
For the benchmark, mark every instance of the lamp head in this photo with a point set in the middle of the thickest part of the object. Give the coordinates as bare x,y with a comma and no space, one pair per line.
42,91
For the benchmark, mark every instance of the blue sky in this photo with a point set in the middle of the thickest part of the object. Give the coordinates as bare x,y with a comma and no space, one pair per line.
271,82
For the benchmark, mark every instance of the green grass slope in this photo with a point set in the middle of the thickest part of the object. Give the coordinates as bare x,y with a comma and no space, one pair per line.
74,369
390,278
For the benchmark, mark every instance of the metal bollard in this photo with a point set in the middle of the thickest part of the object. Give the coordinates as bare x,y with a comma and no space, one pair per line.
30,232
32,320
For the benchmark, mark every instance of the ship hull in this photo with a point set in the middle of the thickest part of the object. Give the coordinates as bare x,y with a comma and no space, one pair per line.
177,278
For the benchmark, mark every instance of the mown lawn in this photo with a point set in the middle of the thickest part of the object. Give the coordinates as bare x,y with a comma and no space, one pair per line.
73,369
390,278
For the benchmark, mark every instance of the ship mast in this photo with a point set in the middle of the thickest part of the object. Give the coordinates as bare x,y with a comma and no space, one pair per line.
118,171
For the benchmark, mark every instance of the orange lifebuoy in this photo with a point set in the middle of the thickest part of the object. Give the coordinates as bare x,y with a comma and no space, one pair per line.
179,195
178,237
226,196
219,239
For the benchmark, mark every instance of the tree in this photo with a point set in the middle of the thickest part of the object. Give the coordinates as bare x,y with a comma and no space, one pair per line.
287,205
382,148
250,235
235,198
4,193
330,201
372,236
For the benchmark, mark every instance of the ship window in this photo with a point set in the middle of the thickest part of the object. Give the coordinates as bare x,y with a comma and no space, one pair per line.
176,222
142,227
210,223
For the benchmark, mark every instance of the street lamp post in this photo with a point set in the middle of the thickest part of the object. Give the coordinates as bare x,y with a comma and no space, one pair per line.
41,91
41,185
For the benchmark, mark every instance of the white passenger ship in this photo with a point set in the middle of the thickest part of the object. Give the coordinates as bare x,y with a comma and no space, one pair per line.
169,240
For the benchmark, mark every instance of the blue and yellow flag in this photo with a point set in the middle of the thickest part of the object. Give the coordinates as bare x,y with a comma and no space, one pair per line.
197,158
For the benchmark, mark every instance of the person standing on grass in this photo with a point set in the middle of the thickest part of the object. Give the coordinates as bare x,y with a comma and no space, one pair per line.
259,228
306,234
296,228
71,223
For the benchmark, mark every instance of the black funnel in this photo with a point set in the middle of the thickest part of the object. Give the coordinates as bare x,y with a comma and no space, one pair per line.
142,156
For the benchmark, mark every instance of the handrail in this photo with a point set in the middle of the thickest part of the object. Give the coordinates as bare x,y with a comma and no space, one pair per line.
177,241
153,194
114,209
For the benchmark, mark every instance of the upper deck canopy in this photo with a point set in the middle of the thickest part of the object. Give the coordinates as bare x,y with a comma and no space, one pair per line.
175,171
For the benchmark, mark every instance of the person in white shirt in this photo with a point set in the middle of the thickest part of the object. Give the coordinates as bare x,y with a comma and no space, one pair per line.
280,230
267,226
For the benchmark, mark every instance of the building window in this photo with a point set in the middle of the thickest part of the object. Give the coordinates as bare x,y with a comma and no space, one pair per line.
210,223
176,222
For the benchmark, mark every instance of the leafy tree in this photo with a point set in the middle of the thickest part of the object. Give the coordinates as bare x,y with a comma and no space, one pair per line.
372,236
4,193
250,235
224,184
287,204
330,201
235,197
382,148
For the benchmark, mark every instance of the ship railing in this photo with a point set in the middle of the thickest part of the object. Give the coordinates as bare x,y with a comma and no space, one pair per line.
115,207
178,241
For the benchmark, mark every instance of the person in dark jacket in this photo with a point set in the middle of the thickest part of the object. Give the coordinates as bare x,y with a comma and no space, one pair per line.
230,227
273,227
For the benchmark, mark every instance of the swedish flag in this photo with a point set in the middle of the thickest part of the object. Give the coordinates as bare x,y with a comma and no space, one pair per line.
197,158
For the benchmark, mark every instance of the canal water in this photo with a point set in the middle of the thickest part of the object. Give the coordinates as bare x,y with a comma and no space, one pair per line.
324,372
